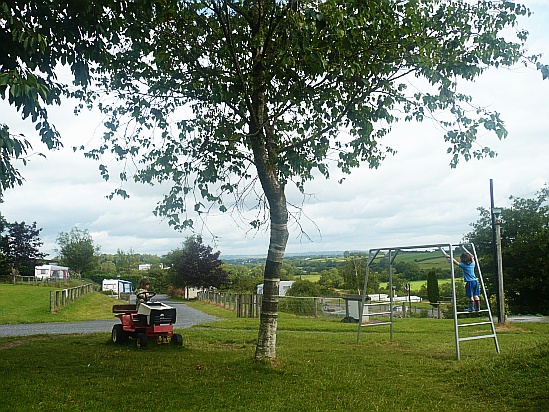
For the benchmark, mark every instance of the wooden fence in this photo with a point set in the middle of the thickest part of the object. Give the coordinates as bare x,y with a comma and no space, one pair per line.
62,297
246,305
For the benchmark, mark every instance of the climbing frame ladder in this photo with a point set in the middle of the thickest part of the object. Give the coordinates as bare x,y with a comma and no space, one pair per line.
459,325
392,253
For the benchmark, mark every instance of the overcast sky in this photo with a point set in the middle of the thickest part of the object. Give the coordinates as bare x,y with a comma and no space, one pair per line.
414,198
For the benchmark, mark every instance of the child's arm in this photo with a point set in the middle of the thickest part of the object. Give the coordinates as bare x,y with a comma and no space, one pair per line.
448,257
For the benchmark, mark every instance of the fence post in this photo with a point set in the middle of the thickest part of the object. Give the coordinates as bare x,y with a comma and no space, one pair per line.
250,306
52,301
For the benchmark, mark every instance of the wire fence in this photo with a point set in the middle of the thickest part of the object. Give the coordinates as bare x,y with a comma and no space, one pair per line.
249,305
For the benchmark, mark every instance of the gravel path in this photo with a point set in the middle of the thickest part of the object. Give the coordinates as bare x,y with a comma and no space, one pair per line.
186,317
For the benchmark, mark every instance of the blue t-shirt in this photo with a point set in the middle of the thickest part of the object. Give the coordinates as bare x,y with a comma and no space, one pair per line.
468,271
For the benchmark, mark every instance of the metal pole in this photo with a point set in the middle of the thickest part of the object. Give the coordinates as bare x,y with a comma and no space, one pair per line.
390,297
494,247
454,303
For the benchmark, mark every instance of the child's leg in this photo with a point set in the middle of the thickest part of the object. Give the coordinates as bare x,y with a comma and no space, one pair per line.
477,303
476,293
469,294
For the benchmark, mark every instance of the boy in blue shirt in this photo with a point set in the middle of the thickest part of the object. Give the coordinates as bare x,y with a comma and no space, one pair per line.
472,290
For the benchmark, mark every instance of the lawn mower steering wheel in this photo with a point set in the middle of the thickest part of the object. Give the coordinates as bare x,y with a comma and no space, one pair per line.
146,295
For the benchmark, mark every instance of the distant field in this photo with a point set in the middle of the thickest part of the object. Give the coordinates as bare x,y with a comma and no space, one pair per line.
416,284
310,278
425,260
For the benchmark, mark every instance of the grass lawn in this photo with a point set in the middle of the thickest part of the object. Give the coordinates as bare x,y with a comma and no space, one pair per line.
31,304
320,367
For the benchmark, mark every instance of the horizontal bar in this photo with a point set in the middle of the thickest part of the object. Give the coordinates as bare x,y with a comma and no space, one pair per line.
469,313
473,324
432,246
381,302
376,313
376,323
478,337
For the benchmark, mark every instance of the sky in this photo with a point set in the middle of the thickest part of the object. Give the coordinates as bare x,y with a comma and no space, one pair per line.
413,198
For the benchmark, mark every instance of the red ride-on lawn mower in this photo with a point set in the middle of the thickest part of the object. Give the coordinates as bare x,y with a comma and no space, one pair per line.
150,321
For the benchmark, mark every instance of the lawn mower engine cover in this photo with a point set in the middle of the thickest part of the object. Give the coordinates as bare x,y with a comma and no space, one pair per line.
156,313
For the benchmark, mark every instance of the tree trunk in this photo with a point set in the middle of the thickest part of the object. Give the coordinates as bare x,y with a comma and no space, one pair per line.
276,198
266,338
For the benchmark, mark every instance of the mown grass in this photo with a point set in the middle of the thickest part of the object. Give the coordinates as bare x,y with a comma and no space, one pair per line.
320,367
31,304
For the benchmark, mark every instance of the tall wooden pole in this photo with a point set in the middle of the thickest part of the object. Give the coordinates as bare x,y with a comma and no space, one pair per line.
501,295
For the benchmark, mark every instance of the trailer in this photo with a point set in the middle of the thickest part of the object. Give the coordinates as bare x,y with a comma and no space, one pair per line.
117,286
283,287
51,272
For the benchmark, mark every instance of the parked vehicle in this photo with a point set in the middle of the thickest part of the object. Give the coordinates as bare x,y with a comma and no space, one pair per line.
51,272
117,286
283,287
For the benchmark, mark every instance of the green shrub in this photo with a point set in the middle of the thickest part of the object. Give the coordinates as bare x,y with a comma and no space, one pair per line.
300,306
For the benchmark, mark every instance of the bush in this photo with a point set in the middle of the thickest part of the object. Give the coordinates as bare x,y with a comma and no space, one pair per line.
300,306
176,293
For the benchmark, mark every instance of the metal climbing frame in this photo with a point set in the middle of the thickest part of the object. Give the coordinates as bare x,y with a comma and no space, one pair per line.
392,253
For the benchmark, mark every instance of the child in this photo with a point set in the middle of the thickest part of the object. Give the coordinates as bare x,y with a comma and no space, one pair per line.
142,287
472,290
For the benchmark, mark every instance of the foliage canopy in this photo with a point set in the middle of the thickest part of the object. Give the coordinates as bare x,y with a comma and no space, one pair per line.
525,247
196,265
38,37
77,250
19,247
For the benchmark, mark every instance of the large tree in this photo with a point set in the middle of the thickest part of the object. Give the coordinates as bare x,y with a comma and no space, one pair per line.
233,98
21,247
525,247
77,250
196,265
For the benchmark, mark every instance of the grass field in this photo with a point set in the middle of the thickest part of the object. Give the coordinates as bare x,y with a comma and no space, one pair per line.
416,285
320,367
310,278
31,304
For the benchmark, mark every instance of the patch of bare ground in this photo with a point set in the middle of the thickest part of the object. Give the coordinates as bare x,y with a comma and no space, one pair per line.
508,327
16,343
